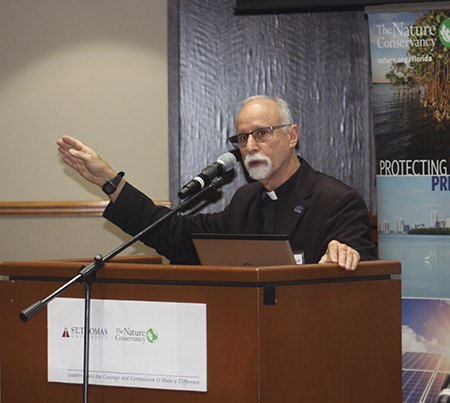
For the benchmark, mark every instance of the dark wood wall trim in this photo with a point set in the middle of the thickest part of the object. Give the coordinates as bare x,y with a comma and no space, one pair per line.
83,208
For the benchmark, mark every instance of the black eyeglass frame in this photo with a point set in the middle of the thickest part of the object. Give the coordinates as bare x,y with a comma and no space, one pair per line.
235,139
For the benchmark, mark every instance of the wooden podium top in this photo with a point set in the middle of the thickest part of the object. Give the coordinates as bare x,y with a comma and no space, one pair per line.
149,269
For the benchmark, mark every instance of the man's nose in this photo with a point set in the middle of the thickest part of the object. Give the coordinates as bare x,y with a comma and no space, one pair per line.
252,145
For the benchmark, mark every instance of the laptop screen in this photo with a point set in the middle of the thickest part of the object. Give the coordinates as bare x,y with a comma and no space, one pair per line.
245,250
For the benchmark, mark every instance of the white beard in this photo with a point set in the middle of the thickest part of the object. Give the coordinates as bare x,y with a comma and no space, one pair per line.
261,172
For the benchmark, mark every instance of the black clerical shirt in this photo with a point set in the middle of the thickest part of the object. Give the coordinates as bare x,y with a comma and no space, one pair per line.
273,205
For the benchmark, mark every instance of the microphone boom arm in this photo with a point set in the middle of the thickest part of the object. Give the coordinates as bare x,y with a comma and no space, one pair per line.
89,271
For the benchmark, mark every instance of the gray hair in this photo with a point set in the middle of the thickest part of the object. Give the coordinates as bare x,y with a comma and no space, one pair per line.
286,115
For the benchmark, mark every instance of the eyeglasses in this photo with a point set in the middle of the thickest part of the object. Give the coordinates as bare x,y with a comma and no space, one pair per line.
260,135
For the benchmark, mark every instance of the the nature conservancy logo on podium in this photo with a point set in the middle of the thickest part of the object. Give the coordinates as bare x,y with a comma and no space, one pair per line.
159,345
152,335
126,334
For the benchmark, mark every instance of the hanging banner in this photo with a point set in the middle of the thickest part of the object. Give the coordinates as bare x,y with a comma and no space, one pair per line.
142,344
411,101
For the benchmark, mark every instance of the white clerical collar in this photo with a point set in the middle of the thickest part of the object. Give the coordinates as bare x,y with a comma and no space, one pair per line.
272,195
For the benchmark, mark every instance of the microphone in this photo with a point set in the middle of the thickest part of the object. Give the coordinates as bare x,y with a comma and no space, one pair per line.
223,164
444,396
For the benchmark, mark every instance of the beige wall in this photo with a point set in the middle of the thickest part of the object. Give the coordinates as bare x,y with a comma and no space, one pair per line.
92,70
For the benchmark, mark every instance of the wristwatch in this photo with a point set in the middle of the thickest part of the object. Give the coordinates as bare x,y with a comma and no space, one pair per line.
111,186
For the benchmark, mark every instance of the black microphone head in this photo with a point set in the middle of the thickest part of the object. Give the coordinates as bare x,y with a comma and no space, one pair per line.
228,160
224,163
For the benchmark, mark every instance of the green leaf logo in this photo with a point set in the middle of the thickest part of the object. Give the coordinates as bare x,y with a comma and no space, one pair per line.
444,33
152,335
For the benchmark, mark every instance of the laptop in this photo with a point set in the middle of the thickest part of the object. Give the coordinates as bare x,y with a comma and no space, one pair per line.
245,250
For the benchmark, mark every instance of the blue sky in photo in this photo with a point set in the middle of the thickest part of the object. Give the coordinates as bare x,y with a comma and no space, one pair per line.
426,325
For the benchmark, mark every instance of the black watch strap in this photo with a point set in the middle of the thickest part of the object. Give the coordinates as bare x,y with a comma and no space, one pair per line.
111,186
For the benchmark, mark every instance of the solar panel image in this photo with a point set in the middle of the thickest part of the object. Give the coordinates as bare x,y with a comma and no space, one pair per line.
423,375
414,383
426,348
445,365
425,361
435,388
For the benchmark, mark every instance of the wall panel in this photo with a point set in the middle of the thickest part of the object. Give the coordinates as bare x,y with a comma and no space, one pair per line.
318,62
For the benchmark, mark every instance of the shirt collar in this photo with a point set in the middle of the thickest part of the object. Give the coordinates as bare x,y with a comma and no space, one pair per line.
284,189
272,195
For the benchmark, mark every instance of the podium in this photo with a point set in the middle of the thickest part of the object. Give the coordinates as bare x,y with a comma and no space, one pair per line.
310,333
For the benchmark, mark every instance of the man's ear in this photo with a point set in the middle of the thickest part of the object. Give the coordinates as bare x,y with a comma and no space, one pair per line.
294,135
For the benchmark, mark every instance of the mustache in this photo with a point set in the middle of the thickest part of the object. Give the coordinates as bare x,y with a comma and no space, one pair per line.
256,157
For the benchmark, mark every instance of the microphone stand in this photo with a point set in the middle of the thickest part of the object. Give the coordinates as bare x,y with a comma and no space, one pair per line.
87,275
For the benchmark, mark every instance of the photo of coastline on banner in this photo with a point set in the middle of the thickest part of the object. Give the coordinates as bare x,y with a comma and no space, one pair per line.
410,55
141,344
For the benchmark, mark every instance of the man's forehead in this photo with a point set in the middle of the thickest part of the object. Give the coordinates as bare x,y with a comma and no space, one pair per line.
256,114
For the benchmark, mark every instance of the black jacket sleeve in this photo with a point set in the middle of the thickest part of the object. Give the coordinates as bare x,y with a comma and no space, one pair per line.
133,212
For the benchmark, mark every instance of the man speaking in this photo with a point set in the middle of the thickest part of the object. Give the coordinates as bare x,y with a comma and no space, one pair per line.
322,216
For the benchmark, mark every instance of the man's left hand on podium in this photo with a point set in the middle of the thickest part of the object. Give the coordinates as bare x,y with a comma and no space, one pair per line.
346,257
